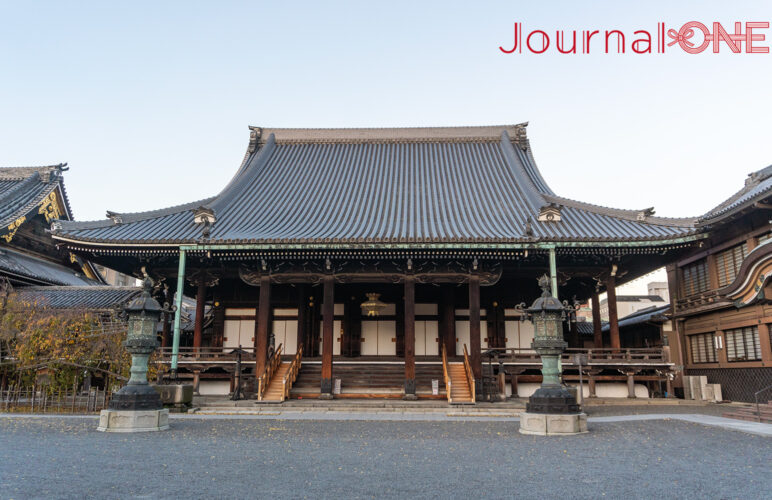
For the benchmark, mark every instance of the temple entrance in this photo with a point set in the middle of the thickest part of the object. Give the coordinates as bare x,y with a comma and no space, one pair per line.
379,338
285,330
239,328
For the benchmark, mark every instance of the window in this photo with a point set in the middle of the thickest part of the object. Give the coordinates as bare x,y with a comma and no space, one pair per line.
742,344
703,348
695,278
728,263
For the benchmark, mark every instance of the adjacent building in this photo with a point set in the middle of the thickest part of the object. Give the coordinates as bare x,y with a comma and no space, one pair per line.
629,304
722,297
31,198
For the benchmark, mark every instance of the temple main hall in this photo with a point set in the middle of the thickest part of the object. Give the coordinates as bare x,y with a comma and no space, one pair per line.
387,263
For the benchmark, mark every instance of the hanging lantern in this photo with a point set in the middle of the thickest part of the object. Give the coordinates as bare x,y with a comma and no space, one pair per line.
373,305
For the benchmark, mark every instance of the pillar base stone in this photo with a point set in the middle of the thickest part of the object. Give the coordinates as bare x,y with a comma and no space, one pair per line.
133,420
546,424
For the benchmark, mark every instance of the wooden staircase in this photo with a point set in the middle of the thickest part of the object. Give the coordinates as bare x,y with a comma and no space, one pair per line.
275,384
459,384
749,413
274,393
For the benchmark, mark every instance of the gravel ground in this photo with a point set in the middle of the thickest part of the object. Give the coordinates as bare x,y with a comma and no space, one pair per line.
198,458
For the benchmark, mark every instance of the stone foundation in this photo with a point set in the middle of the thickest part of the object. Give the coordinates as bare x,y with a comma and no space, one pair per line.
545,424
133,420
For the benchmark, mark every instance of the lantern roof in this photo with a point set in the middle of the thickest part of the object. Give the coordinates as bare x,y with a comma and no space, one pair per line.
144,302
546,303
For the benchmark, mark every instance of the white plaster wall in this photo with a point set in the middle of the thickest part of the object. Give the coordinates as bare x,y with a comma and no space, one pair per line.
602,390
214,387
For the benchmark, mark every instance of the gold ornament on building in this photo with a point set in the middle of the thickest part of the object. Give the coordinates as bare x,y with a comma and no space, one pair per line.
373,305
13,227
50,207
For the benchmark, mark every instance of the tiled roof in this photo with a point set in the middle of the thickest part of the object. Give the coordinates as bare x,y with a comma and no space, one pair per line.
655,314
639,298
23,189
586,327
24,268
757,187
425,185
78,297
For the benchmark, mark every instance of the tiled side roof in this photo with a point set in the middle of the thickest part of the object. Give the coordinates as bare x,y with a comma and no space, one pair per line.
444,185
28,269
758,186
639,298
78,297
23,189
655,314
587,328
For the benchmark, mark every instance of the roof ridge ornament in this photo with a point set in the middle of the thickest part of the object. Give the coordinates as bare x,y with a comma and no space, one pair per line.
521,136
254,137
204,216
114,216
644,214
528,226
550,213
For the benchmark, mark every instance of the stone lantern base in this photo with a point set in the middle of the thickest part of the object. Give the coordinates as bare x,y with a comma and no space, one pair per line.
133,420
551,424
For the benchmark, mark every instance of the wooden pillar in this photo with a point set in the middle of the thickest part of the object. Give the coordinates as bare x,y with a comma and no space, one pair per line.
475,356
302,319
513,381
218,323
447,320
328,319
597,326
591,384
613,320
409,329
262,326
165,330
352,328
574,340
198,326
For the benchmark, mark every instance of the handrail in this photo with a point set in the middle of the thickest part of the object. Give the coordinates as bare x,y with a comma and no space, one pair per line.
292,373
647,355
268,373
756,398
469,374
445,376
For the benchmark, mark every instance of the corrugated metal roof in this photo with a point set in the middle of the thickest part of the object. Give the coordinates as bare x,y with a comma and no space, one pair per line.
29,269
78,297
475,184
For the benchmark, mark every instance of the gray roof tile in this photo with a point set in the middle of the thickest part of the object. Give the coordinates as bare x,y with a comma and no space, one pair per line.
78,297
474,184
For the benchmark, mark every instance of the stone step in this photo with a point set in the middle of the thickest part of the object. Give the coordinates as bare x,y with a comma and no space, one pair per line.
281,409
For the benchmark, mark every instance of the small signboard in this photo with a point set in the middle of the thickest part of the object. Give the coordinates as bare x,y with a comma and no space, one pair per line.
435,387
336,389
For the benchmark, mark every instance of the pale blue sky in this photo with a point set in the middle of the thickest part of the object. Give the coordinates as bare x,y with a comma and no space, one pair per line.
149,102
